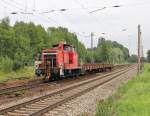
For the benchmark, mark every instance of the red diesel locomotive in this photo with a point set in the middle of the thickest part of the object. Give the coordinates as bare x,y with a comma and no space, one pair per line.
62,61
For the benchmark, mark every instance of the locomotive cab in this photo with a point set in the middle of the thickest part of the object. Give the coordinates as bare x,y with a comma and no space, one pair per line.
62,60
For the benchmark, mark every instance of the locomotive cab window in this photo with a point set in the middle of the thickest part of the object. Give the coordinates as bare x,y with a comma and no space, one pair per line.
67,47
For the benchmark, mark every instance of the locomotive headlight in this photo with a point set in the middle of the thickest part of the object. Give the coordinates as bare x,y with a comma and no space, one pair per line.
38,72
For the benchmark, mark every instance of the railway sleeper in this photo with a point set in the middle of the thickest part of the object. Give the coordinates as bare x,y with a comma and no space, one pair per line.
54,99
49,98
22,111
42,103
35,106
31,107
38,105
52,114
16,114
30,110
53,102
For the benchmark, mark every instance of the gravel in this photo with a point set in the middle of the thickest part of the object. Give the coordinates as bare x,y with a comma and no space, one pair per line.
86,104
83,104
12,99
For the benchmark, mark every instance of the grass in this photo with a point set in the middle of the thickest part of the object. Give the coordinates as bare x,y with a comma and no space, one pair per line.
24,73
132,99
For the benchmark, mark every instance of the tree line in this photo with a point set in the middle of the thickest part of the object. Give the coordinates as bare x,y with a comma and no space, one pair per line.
22,43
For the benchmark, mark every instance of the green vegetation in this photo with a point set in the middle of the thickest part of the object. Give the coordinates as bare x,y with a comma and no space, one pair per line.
23,73
22,43
132,99
133,58
110,51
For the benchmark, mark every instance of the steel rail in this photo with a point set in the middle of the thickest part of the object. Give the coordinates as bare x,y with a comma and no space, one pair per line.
52,106
4,111
20,87
27,86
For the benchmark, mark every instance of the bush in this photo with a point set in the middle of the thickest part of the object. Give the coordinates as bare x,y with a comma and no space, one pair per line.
17,65
6,64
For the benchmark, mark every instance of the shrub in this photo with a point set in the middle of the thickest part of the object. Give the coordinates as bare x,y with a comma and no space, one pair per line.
6,64
17,65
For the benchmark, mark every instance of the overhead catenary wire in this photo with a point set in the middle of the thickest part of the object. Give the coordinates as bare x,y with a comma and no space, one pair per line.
98,9
36,12
33,13
7,3
19,6
21,11
86,10
82,6
122,5
45,17
28,12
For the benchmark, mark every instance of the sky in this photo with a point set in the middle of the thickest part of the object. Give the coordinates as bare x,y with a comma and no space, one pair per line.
114,23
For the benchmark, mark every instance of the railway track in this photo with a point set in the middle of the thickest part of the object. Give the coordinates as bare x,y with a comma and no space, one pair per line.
30,85
39,106
20,87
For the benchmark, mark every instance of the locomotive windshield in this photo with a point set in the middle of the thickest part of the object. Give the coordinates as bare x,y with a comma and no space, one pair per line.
67,47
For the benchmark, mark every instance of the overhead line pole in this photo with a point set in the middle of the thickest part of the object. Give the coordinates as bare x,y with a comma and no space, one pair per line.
92,34
139,48
142,54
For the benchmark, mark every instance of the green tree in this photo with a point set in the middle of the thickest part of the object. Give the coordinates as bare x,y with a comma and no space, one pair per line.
103,49
110,51
133,58
21,43
116,55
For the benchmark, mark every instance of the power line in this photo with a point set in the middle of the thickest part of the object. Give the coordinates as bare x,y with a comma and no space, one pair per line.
98,9
6,2
82,6
18,5
35,11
